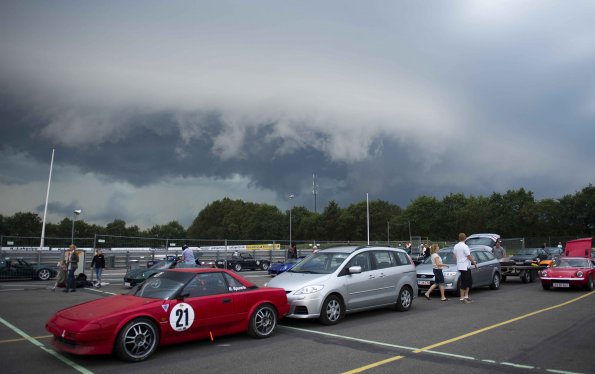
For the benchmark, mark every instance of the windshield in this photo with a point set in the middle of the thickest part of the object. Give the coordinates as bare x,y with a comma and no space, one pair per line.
572,263
320,263
163,285
447,258
528,252
163,264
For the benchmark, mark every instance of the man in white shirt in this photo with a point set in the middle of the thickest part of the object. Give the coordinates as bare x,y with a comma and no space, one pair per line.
188,255
464,262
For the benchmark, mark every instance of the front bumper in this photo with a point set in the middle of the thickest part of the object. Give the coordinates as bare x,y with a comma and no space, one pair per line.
89,343
450,282
564,282
305,306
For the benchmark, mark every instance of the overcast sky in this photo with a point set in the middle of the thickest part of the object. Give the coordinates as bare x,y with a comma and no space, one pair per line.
156,109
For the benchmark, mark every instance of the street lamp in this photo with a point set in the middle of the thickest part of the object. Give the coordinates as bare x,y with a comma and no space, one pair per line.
76,213
388,232
290,198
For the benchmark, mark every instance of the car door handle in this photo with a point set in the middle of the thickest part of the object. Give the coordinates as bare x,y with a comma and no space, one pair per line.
226,300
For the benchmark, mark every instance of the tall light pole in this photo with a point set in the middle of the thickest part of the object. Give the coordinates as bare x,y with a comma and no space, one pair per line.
76,213
388,232
47,196
291,206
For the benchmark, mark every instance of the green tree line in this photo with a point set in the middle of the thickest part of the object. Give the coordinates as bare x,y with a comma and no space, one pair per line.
515,213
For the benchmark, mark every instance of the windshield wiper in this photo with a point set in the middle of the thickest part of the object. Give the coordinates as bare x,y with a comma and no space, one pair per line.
304,271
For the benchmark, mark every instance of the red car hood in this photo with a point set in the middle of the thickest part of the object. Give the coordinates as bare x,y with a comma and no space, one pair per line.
107,307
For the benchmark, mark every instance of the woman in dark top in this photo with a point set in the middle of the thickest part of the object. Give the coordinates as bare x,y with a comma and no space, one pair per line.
99,263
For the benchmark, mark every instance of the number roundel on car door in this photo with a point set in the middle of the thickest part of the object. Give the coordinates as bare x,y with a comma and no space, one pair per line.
181,317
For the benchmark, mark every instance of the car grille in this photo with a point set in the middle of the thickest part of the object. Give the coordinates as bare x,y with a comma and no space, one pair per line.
300,309
425,276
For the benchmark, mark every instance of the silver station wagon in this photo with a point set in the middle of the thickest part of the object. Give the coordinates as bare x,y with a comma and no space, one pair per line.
340,280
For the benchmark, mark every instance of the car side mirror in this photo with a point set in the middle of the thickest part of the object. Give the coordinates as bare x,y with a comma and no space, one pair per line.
355,269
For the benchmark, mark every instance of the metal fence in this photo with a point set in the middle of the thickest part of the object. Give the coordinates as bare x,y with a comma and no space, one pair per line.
128,252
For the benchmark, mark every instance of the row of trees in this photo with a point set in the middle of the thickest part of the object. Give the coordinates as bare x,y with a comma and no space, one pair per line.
513,214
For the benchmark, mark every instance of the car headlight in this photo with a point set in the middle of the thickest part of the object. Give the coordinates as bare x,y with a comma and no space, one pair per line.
308,290
450,273
579,274
544,273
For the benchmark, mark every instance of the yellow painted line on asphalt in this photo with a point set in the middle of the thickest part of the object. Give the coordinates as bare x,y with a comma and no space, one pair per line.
428,349
24,339
375,364
479,331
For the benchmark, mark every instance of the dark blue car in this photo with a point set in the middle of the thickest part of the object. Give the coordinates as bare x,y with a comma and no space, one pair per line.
280,267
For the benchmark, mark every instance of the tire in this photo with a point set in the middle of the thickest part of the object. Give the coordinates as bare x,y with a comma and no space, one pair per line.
545,286
589,285
405,299
525,277
495,282
137,340
43,274
264,265
532,275
263,322
332,310
237,268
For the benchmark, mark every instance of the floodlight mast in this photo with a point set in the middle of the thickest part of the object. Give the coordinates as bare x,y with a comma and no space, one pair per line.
76,213
47,196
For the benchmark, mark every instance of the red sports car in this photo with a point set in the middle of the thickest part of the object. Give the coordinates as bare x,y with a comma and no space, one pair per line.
569,272
173,306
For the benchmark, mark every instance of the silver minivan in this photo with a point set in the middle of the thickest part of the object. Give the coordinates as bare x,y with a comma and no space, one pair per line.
340,280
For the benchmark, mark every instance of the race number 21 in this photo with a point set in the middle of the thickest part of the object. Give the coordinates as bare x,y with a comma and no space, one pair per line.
181,317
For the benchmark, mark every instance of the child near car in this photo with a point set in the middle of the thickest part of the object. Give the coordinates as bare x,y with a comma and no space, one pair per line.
61,274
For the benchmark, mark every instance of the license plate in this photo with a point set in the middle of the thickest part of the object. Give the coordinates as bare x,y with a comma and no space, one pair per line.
423,283
127,284
563,285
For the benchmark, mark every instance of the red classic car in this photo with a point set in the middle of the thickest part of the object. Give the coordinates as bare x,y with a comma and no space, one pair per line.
173,306
569,272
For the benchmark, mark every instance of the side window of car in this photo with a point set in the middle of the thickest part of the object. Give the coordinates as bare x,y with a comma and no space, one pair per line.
489,256
476,257
206,284
361,259
194,288
233,285
400,258
383,259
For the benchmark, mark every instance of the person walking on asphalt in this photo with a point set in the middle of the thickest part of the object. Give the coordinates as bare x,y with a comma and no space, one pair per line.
438,276
99,263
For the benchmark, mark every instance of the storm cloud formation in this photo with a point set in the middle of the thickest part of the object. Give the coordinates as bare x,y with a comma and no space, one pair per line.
157,110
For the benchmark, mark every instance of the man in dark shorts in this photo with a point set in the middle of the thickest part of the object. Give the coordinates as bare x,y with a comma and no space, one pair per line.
464,262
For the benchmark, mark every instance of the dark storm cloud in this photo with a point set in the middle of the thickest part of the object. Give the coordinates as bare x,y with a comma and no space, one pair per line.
198,101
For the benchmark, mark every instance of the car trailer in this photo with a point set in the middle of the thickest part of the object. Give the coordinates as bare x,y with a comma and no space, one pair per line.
527,273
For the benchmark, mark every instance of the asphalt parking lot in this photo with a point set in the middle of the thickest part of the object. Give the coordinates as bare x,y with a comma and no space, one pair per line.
519,328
